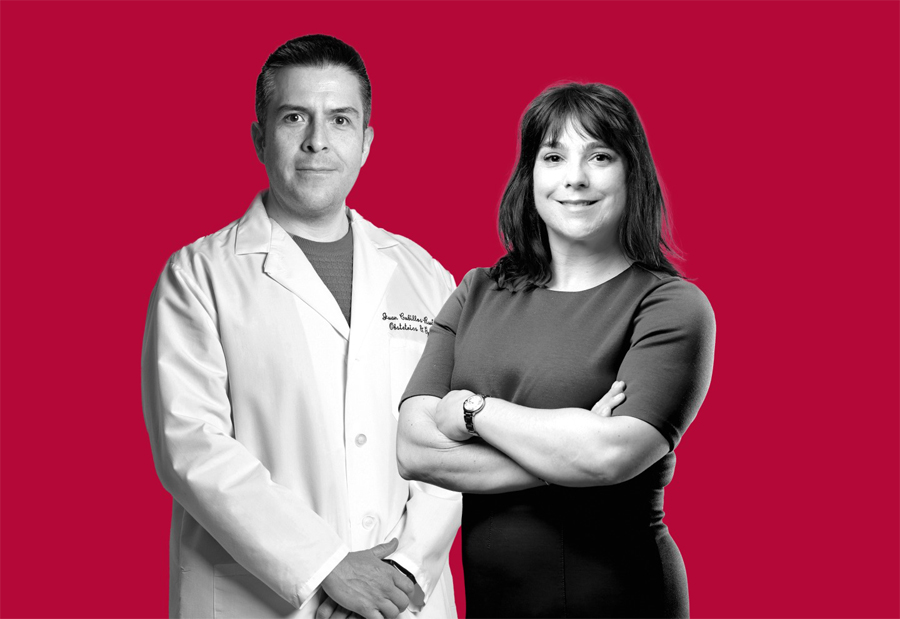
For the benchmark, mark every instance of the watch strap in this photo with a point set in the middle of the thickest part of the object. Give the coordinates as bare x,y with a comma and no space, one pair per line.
401,569
469,416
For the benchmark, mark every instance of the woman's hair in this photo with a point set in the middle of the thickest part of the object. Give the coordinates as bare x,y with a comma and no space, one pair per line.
606,114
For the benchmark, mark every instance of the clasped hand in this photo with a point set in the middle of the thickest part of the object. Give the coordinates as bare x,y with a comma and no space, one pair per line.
365,585
448,415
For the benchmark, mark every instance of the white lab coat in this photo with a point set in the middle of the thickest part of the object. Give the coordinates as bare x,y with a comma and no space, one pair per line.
273,423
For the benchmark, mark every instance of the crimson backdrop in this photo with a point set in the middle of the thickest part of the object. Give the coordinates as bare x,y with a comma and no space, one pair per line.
126,134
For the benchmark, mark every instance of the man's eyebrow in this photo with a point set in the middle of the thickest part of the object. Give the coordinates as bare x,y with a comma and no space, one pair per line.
284,107
350,110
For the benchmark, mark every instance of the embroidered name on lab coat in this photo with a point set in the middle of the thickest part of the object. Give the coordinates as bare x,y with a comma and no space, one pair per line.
407,322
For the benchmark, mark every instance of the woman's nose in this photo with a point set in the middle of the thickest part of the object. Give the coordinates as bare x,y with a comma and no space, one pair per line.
315,139
576,175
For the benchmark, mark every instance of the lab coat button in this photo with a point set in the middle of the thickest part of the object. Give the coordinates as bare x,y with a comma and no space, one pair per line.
361,440
368,522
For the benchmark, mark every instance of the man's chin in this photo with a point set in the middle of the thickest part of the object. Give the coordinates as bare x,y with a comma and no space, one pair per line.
315,204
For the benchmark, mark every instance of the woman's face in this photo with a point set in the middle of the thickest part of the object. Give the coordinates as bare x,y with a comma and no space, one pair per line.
579,191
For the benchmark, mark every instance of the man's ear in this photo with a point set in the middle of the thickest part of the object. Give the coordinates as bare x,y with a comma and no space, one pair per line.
258,133
368,136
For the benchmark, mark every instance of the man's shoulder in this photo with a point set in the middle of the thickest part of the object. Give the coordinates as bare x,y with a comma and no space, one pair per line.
402,249
248,234
217,247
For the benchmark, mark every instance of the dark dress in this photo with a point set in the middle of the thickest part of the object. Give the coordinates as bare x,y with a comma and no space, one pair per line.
555,551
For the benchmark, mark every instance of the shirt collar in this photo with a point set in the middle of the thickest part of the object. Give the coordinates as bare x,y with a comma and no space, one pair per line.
254,229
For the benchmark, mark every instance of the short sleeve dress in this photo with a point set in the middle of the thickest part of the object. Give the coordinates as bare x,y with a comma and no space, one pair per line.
555,551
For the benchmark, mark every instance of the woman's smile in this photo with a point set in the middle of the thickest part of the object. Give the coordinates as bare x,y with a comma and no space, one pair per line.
578,202
579,190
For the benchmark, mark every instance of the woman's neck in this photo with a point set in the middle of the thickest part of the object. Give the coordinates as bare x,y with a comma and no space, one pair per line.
573,270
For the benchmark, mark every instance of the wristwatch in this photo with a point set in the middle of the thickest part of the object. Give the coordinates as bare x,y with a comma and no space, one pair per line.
471,407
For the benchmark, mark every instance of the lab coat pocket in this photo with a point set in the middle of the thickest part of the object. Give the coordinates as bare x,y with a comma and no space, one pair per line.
405,354
238,593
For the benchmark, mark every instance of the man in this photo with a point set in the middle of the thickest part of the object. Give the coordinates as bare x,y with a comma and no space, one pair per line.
271,377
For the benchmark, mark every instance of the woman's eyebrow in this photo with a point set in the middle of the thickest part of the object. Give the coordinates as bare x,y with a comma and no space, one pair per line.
596,144
588,146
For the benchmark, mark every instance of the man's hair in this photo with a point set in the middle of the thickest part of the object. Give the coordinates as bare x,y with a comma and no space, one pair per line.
603,113
313,50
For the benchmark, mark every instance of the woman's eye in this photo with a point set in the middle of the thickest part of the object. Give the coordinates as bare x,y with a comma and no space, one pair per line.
553,158
603,157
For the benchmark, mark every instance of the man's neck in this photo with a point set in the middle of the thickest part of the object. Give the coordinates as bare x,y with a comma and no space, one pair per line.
323,227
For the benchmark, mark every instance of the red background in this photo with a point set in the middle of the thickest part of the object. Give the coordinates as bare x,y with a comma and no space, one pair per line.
126,135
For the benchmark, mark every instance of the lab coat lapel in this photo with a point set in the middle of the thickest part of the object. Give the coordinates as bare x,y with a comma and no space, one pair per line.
372,272
290,267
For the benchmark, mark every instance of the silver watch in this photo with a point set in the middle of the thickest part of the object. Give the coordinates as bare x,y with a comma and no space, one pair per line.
471,407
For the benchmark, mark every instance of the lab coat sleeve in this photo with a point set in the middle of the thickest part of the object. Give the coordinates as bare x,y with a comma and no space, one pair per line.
432,516
266,527
426,533
447,278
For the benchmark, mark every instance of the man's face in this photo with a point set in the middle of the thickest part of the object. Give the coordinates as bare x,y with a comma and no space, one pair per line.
314,143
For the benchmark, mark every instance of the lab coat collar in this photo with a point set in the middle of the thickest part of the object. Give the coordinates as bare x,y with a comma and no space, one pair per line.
372,272
289,266
254,229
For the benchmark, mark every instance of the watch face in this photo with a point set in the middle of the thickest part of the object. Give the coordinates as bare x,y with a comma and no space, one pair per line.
473,403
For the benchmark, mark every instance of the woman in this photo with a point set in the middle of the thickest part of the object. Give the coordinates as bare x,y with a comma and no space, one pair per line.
518,399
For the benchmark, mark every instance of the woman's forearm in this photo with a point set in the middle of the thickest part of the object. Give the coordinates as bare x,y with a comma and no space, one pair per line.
425,454
571,446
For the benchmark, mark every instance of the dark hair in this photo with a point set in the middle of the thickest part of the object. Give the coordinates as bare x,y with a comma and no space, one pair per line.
312,50
605,114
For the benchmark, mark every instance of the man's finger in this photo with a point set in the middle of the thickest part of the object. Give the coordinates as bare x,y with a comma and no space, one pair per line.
326,609
388,609
383,550
398,599
341,613
403,583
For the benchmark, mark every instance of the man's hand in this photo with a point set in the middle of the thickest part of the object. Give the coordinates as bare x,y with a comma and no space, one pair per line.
449,416
329,609
362,583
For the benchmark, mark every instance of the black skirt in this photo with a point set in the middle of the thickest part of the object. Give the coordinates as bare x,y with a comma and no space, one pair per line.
571,552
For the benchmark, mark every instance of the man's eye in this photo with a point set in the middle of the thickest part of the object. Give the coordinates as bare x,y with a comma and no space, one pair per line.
293,118
341,120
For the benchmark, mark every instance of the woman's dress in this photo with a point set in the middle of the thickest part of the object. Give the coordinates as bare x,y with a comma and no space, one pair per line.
555,551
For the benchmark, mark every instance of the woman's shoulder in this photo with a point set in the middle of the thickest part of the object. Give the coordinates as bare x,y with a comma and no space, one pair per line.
674,295
478,279
473,284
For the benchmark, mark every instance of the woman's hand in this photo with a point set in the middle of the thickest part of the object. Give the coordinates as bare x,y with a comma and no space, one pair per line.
612,399
449,416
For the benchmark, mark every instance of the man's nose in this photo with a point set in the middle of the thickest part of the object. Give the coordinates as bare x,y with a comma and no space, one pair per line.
316,138
576,175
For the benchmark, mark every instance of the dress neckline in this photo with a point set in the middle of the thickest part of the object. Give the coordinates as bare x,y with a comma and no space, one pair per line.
592,288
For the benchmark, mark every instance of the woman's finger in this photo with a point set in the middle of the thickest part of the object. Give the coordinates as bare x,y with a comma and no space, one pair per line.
611,399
